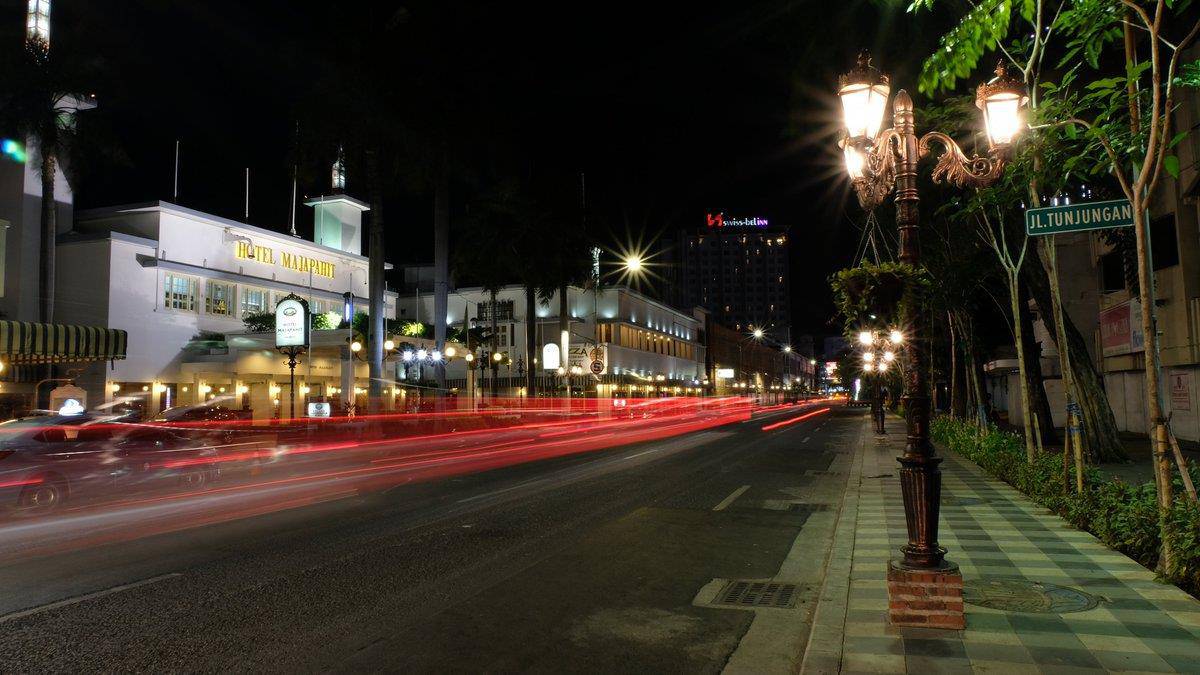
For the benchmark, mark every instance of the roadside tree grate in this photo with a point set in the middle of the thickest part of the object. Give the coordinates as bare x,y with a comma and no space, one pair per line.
758,594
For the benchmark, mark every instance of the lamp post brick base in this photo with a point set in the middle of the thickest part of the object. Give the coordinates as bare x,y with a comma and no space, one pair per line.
926,598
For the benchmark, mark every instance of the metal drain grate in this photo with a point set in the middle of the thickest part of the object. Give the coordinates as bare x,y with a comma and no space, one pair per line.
758,594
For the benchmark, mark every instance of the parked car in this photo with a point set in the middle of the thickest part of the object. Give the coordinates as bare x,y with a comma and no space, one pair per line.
46,461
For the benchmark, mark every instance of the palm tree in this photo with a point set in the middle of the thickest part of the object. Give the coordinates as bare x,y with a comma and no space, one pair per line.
40,101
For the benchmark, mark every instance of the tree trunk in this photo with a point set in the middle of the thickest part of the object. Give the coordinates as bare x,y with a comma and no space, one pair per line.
1038,402
956,392
49,233
1014,294
375,287
530,341
1100,434
1156,421
441,259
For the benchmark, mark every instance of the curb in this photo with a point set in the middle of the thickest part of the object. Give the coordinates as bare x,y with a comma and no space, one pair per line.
823,653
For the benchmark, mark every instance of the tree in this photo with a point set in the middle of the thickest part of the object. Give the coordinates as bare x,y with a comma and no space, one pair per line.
1126,123
42,96
985,28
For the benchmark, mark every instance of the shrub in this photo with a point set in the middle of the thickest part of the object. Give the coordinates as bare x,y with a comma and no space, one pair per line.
1123,516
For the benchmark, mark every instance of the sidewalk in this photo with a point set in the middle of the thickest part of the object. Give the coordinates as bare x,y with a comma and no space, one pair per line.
1042,597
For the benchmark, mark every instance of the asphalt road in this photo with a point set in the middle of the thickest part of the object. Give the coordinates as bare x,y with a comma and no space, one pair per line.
593,562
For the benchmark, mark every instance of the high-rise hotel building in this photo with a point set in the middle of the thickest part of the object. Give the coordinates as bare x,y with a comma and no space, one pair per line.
737,268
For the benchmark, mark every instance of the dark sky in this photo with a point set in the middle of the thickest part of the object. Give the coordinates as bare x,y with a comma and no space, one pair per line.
671,109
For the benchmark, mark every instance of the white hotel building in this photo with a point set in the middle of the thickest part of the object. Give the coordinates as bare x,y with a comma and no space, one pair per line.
644,345
180,281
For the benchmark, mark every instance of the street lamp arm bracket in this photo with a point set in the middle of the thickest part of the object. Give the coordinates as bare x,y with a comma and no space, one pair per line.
879,169
954,166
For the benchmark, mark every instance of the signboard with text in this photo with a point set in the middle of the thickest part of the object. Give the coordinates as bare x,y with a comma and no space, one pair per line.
1121,329
291,323
1181,389
1078,217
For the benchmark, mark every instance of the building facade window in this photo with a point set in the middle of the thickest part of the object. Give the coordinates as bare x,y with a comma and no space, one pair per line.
254,300
218,298
179,292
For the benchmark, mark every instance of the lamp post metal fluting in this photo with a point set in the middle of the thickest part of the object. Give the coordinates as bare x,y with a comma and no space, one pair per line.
882,162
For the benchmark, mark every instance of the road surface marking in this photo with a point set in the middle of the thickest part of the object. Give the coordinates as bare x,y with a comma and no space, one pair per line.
89,596
730,499
501,491
806,439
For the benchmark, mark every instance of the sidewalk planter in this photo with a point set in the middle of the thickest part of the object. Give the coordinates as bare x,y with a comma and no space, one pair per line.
1122,515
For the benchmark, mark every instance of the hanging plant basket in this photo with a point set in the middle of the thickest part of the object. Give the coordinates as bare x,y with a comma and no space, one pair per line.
888,291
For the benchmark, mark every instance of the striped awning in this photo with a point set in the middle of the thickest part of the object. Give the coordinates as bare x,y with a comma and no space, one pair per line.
24,342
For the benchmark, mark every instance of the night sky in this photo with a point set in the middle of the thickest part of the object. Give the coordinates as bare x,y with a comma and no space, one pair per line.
671,110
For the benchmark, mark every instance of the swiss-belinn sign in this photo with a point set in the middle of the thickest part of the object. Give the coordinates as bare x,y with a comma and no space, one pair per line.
1079,217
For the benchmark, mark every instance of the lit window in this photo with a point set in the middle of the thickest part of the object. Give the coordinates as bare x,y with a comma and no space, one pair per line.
218,298
254,300
179,292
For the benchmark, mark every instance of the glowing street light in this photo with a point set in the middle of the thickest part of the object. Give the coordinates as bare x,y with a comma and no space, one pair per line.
758,333
865,337
356,346
634,263
896,337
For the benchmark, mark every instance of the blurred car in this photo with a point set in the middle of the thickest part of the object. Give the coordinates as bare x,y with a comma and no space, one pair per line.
46,461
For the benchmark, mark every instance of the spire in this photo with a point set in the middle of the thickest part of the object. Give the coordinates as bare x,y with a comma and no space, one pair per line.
339,171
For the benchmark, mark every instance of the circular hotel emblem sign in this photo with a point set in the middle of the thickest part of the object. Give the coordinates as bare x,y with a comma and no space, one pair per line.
1022,595
291,323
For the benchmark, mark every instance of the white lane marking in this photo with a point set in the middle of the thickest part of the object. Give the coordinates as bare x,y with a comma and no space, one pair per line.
806,439
646,452
89,596
501,491
730,499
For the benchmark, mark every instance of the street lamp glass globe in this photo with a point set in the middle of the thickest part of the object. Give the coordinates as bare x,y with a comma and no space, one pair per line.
868,356
896,337
758,332
854,161
883,367
888,356
356,346
450,352
787,349
421,354
868,367
389,345
633,263
1002,115
407,356
469,357
865,337
497,357
435,356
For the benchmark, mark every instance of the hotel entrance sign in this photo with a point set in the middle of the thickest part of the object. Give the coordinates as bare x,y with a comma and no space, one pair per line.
1079,217
291,323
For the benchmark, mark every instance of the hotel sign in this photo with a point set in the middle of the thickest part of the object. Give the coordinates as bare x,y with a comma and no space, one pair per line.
1079,217
291,261
291,323
719,220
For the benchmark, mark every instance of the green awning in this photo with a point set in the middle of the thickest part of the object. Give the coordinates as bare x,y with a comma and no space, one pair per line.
25,342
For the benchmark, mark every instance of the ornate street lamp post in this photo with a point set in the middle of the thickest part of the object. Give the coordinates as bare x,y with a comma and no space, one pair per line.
881,161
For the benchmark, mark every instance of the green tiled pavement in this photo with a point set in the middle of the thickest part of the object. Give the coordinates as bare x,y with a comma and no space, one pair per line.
994,532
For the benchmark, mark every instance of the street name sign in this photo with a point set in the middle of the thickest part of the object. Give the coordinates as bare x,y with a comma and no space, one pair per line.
1078,217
